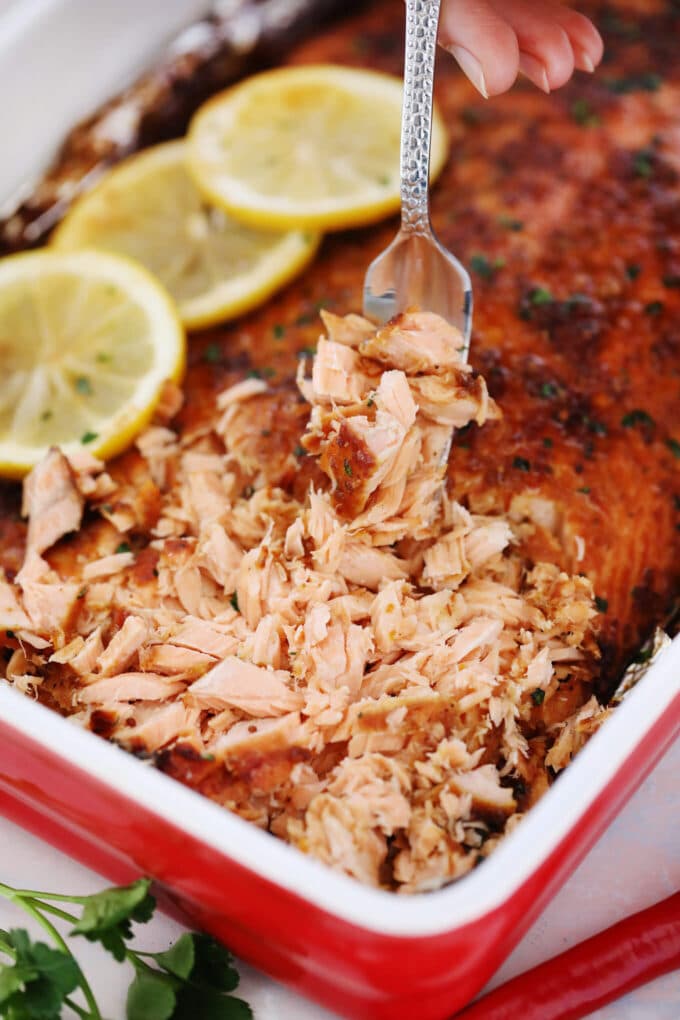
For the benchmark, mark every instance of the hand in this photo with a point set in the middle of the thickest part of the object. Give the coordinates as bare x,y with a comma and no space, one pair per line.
493,40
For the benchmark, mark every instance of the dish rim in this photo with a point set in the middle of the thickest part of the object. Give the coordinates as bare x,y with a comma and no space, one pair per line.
428,914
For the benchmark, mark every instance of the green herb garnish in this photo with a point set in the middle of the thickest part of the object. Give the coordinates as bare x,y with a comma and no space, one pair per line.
632,271
637,417
538,696
234,602
89,437
510,223
583,113
522,464
643,165
646,81
348,468
602,605
123,548
83,385
191,979
674,446
548,390
481,265
279,331
540,296
212,354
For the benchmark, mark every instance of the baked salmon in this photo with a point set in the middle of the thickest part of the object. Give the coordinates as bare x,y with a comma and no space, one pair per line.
307,536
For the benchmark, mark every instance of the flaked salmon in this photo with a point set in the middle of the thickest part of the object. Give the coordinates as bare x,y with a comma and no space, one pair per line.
364,666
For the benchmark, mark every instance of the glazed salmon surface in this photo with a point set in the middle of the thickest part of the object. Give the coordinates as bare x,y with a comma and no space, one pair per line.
275,596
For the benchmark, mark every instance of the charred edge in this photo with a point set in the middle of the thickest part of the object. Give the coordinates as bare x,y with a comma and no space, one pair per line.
164,99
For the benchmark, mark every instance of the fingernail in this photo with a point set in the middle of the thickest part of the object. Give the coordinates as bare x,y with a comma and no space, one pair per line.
583,62
535,71
471,67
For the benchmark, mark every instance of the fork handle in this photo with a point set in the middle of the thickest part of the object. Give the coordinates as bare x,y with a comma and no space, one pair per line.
422,20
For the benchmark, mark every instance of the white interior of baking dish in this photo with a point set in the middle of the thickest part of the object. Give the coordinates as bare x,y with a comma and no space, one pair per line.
59,59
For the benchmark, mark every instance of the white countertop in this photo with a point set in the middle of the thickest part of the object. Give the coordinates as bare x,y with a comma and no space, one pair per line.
635,864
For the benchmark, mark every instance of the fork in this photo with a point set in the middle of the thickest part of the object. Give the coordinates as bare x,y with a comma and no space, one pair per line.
416,270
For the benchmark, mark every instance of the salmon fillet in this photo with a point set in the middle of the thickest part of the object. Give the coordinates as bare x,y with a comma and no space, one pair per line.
567,210
369,670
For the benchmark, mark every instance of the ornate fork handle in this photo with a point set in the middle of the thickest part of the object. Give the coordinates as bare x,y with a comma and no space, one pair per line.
422,19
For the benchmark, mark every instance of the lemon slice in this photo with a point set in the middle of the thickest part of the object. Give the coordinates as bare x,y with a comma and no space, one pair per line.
314,146
215,268
86,341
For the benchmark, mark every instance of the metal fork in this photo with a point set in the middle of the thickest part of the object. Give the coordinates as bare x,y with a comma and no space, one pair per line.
416,270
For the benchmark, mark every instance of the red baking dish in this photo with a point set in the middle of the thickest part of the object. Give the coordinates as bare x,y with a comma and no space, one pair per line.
363,952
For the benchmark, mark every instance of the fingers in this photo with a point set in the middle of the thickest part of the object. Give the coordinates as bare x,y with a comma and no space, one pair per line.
494,39
483,43
546,56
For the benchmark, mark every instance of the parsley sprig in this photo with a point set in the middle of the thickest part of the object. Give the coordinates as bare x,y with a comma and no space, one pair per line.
190,981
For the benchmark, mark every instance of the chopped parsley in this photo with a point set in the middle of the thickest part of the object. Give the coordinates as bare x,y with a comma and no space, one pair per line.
583,113
261,373
299,451
602,605
637,417
548,443
585,489
83,385
597,427
632,271
123,548
348,468
522,464
234,602
646,81
540,296
212,354
674,446
89,437
538,696
481,265
510,223
548,390
306,352
279,331
10,634
643,165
